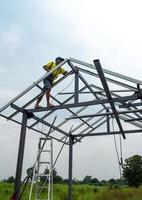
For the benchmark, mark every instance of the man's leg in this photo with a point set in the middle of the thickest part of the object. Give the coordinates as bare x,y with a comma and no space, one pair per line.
48,98
38,101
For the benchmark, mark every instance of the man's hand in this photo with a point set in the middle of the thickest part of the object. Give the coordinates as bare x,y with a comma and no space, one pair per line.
65,73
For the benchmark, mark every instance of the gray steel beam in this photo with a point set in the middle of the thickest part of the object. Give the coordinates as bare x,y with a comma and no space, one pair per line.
126,116
108,133
108,122
131,120
86,103
76,89
102,91
106,88
130,105
106,114
20,156
71,140
115,74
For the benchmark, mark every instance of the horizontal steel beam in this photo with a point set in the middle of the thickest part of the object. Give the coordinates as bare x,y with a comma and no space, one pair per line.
105,114
86,103
108,133
88,92
130,105
134,119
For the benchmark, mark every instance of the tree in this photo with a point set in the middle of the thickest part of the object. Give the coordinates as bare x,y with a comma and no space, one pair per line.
56,177
132,170
87,179
10,179
112,181
95,181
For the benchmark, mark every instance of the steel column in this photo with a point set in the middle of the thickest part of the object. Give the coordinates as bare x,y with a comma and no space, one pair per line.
108,122
20,155
70,167
76,88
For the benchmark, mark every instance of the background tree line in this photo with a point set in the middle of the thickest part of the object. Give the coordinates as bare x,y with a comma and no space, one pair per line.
132,175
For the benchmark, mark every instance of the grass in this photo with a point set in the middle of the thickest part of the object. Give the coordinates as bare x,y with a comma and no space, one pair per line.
80,192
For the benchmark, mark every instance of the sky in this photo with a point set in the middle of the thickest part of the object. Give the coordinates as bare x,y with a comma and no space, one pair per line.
32,32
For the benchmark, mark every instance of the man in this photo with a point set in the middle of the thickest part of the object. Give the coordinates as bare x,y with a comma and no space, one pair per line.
48,81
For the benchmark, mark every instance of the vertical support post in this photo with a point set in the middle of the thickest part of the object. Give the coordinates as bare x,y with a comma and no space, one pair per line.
76,86
70,167
51,169
108,122
20,156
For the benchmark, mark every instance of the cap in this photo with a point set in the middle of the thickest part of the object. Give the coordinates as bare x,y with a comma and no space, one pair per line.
59,59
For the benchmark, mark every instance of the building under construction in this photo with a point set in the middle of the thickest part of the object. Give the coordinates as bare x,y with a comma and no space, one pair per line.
86,99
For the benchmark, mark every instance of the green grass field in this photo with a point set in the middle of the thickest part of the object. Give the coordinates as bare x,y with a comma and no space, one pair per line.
81,192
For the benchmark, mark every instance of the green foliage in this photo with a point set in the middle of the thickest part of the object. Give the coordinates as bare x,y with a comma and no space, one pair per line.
10,179
80,192
132,170
87,179
56,177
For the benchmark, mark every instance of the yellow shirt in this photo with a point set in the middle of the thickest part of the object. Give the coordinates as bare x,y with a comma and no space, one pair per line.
51,65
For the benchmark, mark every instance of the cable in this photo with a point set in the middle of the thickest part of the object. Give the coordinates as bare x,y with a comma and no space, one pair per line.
116,149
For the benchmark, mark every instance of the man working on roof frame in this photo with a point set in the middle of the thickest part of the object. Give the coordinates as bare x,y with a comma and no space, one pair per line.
48,81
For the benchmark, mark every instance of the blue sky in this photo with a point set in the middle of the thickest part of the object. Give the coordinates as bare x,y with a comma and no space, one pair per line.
36,31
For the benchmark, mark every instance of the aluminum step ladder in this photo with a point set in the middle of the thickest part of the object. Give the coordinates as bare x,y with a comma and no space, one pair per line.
42,179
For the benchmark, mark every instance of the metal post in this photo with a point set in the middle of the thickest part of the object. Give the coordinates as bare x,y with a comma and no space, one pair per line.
108,122
76,87
20,155
51,169
70,167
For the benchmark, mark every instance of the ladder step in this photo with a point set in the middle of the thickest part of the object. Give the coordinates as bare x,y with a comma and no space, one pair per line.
40,186
41,199
44,162
40,150
41,138
47,175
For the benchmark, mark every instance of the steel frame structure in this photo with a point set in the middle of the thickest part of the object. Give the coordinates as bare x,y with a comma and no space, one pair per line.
111,95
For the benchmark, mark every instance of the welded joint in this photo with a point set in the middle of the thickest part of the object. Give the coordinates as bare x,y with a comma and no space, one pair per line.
75,69
28,113
138,92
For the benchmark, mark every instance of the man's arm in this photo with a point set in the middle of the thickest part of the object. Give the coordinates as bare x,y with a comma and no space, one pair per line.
63,71
48,66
